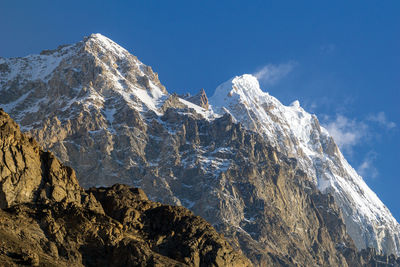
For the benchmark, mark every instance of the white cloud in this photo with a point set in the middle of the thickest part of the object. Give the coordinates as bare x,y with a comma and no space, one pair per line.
349,133
366,168
382,120
271,74
346,132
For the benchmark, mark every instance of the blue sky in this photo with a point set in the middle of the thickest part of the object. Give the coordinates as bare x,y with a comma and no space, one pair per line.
339,58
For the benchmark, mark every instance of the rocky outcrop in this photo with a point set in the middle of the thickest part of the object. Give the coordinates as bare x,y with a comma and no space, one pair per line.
171,231
47,219
200,99
258,198
28,174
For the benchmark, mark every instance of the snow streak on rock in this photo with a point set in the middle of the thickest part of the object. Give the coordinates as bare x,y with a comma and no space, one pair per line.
298,134
102,111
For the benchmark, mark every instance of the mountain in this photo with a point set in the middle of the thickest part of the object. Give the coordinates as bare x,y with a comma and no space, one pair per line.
249,165
298,134
47,219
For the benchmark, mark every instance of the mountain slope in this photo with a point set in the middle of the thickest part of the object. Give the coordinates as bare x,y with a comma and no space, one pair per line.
298,134
106,114
47,219
96,90
54,222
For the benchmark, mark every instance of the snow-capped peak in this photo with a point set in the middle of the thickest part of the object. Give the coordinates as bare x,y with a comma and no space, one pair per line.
295,104
297,134
95,72
257,110
244,88
107,45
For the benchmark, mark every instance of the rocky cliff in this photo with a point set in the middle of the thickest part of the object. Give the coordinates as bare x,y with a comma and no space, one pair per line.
247,164
199,99
47,219
298,134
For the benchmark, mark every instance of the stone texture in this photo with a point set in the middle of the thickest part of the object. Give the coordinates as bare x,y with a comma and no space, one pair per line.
200,99
47,219
298,134
30,174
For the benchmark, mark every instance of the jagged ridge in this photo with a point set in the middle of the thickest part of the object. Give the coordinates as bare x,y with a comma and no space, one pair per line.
47,219
120,125
298,134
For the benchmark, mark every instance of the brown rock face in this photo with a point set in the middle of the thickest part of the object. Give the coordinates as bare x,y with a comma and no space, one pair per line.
200,99
29,174
47,219
173,232
52,221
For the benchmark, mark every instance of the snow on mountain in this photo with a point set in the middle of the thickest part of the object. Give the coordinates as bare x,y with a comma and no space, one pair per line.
102,111
298,134
92,90
30,77
34,67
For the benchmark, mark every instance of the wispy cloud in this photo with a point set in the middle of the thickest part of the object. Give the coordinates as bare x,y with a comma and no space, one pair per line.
346,132
317,104
367,168
381,119
270,74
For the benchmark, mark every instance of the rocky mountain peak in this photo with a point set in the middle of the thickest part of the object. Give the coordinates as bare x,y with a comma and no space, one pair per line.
296,133
244,88
122,64
94,75
199,99
105,113
108,46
